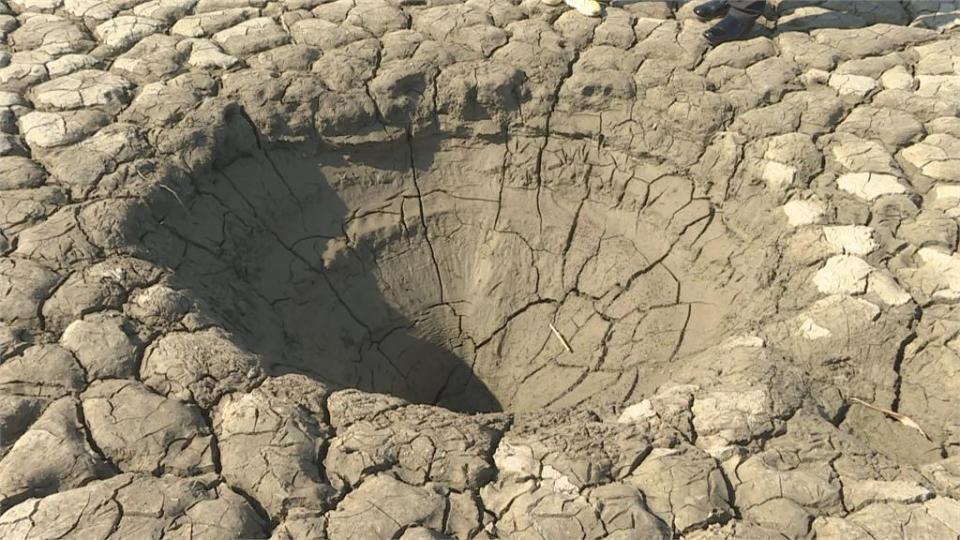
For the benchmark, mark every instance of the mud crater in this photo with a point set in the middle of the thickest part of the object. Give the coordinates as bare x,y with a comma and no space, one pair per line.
433,268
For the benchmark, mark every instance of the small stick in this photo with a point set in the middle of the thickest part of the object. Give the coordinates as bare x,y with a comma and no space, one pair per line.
164,186
902,418
560,337
175,196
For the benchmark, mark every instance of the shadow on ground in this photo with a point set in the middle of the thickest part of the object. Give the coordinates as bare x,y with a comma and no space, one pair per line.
267,253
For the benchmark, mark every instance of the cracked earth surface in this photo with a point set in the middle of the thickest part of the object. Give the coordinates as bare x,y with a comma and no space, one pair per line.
484,269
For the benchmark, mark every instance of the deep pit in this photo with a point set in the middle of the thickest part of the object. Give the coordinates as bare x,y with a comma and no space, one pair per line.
434,269
234,236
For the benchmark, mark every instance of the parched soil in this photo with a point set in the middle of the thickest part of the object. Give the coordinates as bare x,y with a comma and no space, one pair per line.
379,269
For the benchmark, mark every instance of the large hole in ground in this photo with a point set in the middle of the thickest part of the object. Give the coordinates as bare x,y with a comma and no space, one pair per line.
433,269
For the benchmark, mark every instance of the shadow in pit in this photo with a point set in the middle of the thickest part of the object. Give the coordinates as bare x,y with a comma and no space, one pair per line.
266,253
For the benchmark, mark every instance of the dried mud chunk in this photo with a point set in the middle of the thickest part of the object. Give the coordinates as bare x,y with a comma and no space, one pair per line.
462,25
870,186
104,344
822,337
42,370
401,45
378,18
894,128
52,35
349,67
738,54
52,455
603,58
286,58
17,414
417,443
616,30
843,274
596,90
211,22
21,209
666,415
129,506
936,518
403,91
853,88
796,153
561,514
24,285
860,155
938,156
944,476
141,431
554,509
225,516
769,475
930,369
423,533
158,305
154,58
725,417
58,241
123,32
684,487
936,275
270,441
199,367
577,451
206,6
875,40
381,507
80,167
623,510
863,493
164,103
20,173
304,525
811,112
350,406
345,114
783,515
251,36
43,130
19,76
930,228
71,63
115,226
579,31
95,9
278,105
736,530
81,89
923,108
205,54
738,393
544,68
324,34
95,288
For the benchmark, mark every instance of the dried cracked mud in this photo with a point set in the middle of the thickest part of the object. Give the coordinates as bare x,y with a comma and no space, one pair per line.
486,269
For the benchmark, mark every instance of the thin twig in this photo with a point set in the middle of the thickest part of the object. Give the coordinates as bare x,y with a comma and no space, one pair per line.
164,186
561,338
902,418
175,196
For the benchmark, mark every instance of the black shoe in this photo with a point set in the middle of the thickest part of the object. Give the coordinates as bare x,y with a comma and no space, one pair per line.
729,28
712,9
